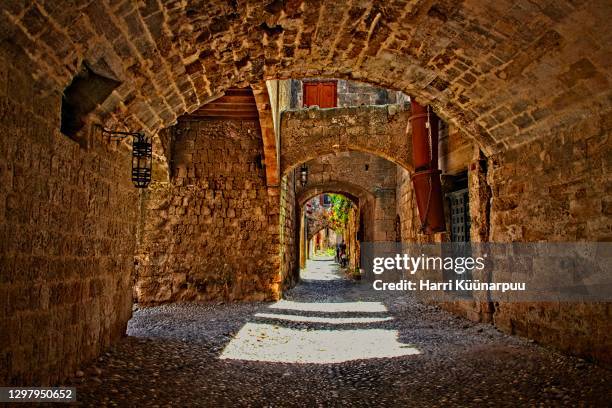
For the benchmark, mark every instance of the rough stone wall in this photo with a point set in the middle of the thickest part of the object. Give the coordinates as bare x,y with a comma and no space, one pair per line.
213,231
289,233
384,215
554,189
352,93
501,71
364,170
311,133
68,220
557,190
406,209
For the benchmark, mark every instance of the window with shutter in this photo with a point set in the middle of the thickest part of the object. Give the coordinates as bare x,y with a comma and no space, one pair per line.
320,93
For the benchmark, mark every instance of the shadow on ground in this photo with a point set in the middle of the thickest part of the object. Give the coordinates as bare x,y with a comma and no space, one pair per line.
330,343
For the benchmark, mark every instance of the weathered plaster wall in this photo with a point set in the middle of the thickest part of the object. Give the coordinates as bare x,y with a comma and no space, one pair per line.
213,231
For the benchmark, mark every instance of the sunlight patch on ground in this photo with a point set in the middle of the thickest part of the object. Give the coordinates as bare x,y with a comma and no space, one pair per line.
357,307
265,342
328,320
320,270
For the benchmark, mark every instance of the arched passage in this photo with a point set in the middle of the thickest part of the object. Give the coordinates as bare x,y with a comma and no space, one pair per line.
529,82
352,191
333,220
368,179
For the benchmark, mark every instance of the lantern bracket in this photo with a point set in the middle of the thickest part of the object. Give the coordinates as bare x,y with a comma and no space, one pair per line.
142,154
117,135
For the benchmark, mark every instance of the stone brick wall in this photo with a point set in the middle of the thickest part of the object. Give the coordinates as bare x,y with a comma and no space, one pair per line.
500,71
311,133
352,93
68,220
455,150
406,209
554,189
213,231
557,189
289,232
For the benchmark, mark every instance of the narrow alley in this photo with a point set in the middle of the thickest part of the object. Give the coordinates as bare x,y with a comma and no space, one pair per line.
330,343
306,203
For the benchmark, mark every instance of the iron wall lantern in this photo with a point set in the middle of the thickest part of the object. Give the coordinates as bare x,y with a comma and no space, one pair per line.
303,175
142,155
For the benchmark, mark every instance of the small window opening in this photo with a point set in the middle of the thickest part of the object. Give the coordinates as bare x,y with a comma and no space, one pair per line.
87,90
459,206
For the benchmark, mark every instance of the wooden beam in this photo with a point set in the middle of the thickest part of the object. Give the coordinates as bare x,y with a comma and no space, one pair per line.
262,99
234,104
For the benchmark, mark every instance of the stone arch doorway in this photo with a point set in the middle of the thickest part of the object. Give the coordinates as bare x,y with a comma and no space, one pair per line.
321,236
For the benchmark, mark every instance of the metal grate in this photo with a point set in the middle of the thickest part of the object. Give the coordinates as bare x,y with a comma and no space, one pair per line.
460,215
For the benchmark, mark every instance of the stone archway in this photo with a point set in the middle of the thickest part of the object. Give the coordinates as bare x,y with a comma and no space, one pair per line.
530,84
369,177
313,219
376,130
171,59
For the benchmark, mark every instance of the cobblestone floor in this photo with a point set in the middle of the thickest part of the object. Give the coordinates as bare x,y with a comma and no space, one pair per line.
329,343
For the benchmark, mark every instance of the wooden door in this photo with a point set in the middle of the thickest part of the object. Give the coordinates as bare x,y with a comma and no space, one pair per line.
321,94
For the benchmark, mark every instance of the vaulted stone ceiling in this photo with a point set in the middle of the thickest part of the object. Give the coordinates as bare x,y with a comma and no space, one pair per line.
503,71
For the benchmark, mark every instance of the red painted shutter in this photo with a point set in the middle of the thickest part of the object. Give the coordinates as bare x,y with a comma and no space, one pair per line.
321,94
311,94
327,95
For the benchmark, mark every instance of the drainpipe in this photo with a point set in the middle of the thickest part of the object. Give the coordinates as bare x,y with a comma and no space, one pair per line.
426,179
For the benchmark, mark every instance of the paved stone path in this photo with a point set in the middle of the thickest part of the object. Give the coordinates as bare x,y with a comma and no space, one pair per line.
330,343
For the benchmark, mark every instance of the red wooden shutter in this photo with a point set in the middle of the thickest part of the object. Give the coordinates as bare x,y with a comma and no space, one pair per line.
321,94
311,94
327,95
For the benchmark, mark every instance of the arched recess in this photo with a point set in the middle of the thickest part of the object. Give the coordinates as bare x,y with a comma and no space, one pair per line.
360,219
